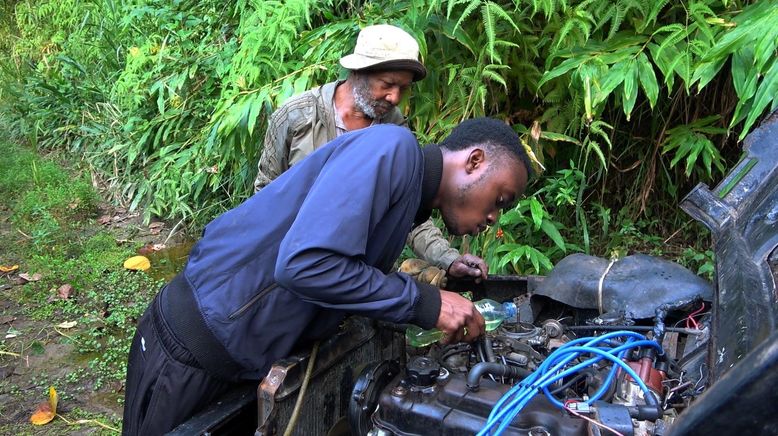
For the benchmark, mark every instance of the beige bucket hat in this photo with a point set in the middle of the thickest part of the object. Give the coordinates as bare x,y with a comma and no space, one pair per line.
385,47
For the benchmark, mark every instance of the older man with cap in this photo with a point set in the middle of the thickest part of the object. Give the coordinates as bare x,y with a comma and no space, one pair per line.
382,68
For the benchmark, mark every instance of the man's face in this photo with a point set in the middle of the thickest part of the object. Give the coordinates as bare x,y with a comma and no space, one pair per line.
376,93
480,191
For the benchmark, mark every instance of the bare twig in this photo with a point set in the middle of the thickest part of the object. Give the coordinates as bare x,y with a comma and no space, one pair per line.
65,335
676,232
88,421
172,231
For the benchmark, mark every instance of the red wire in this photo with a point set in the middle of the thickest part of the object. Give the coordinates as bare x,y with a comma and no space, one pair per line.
692,315
702,307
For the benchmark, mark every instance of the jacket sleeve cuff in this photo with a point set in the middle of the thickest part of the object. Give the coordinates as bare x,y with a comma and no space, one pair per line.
427,309
445,260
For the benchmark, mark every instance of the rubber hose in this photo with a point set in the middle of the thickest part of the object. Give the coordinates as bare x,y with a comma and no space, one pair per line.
299,404
493,368
488,349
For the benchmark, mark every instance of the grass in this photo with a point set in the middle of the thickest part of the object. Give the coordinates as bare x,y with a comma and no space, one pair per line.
47,226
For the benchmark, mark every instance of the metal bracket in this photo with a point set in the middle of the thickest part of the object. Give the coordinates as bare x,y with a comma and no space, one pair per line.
266,398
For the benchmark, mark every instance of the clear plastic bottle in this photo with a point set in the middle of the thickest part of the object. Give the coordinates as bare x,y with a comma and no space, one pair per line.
494,314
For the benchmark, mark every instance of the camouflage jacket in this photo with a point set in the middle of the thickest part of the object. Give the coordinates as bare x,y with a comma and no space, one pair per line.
307,121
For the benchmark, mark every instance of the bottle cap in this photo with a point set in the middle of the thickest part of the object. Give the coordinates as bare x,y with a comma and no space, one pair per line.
510,309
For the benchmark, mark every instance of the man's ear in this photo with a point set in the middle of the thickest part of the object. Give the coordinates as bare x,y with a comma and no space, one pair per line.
475,160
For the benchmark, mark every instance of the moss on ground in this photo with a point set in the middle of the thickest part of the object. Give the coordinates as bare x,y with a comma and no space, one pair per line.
48,227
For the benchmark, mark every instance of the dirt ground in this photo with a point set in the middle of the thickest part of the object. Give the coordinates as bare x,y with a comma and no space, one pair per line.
38,353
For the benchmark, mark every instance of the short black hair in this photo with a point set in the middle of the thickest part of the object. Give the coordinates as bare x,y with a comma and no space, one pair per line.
489,132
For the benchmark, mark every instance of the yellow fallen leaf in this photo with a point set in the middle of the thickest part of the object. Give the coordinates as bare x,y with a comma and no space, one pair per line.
46,411
66,325
7,269
138,263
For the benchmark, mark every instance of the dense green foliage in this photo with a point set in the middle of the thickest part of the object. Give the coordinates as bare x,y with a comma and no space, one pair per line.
627,103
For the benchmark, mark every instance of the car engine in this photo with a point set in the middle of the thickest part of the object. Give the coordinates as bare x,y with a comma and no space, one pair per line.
568,364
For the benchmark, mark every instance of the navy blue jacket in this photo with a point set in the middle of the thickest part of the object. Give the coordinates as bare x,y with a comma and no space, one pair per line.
317,243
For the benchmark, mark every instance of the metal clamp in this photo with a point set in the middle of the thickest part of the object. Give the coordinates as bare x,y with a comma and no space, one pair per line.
266,398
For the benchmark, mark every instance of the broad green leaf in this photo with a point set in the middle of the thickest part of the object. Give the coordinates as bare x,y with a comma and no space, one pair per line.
622,53
765,48
730,42
768,90
301,83
612,79
551,231
647,79
253,114
664,61
538,259
630,89
536,211
706,71
559,137
505,248
511,217
742,62
562,68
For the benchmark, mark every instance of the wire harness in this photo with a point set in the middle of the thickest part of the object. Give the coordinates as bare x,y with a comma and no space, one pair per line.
568,360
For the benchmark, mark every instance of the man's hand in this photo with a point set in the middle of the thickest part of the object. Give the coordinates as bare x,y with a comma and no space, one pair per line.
458,316
468,265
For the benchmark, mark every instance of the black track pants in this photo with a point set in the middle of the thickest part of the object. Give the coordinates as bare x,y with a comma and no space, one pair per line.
165,385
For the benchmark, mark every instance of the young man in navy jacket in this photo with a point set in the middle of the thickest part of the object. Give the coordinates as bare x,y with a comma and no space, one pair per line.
315,245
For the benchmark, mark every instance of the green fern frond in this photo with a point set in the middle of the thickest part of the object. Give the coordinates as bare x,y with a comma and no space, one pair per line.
451,4
491,75
491,34
561,35
472,6
653,13
501,13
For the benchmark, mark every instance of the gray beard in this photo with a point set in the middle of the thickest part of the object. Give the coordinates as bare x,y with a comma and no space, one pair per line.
362,99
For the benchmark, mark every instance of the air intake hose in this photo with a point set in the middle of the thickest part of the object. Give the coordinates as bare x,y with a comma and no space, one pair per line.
493,368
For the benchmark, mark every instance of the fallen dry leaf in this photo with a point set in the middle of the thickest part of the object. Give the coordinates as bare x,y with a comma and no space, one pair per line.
7,319
104,219
156,224
155,231
7,269
66,325
146,249
30,277
137,263
65,291
46,411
